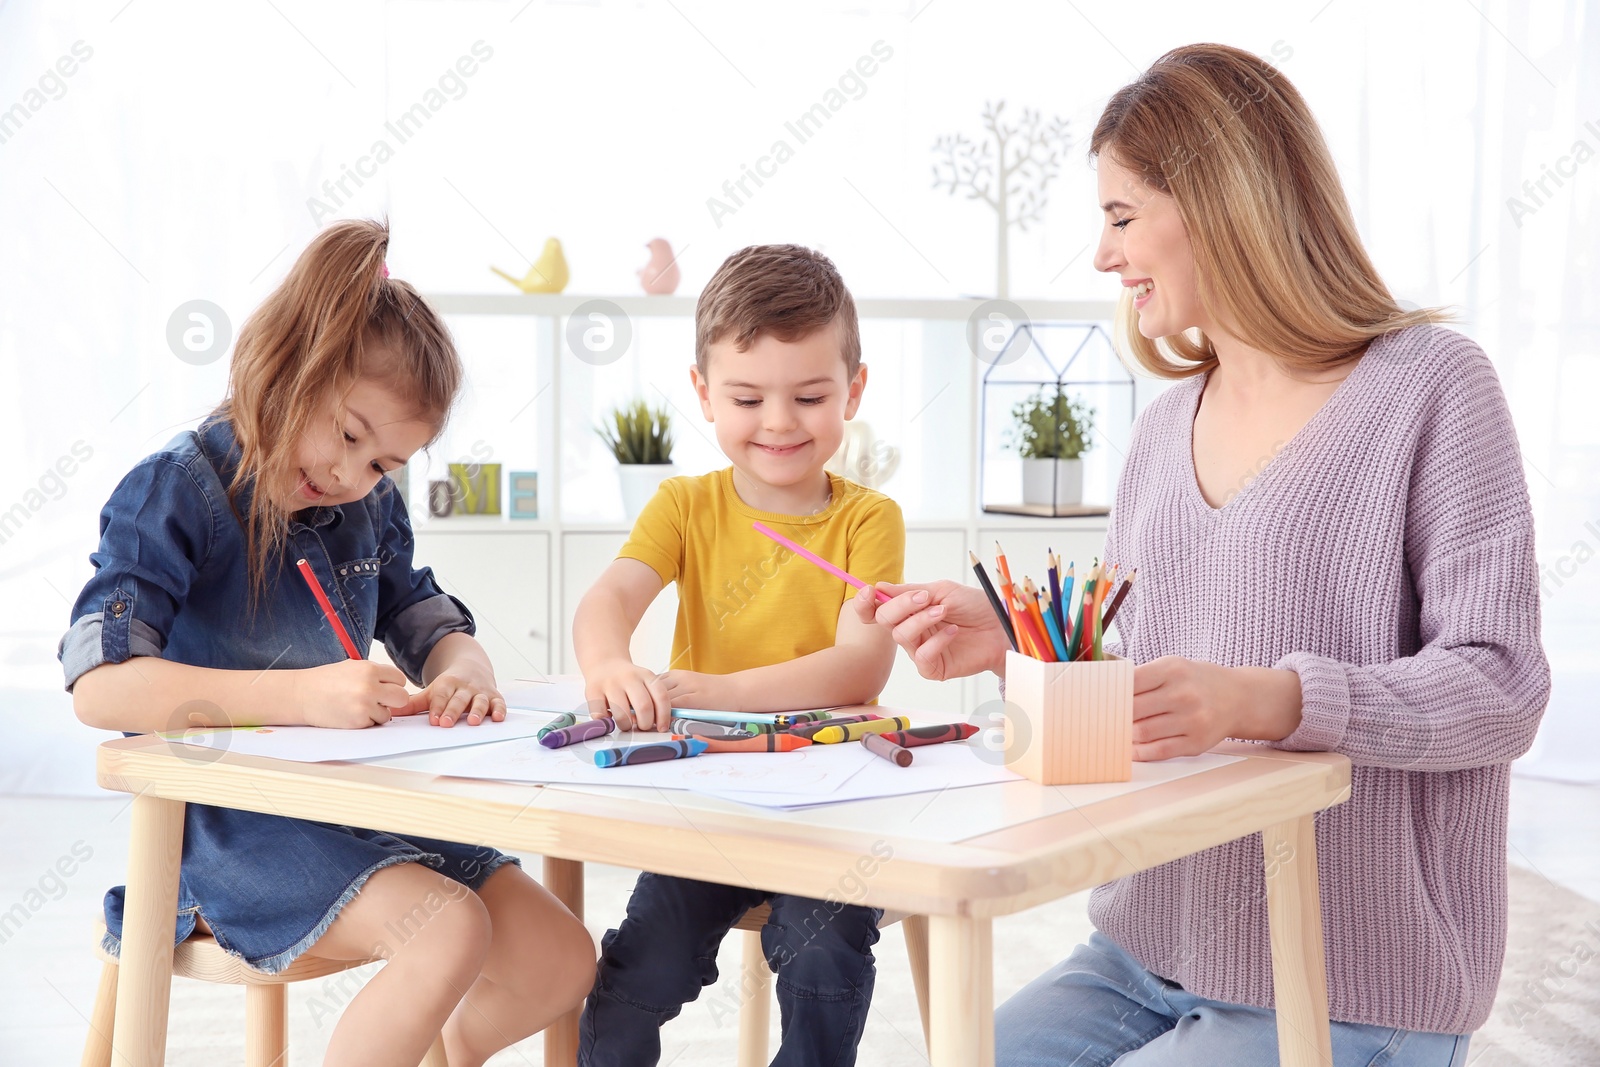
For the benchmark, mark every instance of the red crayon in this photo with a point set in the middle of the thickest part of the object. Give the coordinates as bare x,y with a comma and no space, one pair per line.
880,745
931,735
760,743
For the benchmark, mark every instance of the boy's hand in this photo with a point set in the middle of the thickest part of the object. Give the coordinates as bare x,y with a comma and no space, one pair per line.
464,690
629,693
351,694
707,692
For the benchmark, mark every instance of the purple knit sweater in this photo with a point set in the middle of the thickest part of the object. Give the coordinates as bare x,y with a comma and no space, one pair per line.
1386,556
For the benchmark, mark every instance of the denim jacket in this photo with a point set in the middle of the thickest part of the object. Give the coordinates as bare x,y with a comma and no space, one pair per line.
171,579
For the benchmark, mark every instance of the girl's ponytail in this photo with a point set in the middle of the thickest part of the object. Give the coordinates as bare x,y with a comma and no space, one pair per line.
336,318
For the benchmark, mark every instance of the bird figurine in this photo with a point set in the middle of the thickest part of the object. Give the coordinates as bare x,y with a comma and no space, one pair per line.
548,273
660,276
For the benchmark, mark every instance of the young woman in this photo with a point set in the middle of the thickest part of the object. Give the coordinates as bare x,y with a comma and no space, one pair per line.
1335,553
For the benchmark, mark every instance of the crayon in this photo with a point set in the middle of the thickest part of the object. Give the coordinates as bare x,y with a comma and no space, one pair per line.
583,731
761,743
649,752
931,735
880,745
795,718
566,718
832,735
696,728
809,729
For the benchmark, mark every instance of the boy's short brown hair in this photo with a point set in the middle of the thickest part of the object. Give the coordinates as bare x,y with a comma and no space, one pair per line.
788,291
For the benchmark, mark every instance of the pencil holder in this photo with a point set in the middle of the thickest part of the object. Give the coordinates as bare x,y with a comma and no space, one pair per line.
1069,723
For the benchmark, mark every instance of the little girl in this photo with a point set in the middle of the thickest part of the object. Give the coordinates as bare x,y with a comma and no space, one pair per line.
198,616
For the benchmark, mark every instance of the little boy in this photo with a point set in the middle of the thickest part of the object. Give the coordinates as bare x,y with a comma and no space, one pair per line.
778,371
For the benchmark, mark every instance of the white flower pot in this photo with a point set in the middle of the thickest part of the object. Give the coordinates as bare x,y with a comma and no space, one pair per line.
639,484
1052,481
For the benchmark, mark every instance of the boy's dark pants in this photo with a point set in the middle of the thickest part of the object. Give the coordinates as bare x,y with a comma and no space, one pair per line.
666,950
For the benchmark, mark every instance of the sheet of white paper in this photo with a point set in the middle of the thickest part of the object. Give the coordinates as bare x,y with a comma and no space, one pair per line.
556,695
408,733
803,774
948,815
953,765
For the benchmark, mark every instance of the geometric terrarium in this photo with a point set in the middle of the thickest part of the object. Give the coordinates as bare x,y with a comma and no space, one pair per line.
1054,422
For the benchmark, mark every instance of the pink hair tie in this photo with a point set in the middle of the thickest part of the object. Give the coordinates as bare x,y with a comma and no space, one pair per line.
386,270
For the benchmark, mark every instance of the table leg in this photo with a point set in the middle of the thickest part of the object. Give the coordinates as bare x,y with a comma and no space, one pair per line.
1299,969
564,879
150,915
961,993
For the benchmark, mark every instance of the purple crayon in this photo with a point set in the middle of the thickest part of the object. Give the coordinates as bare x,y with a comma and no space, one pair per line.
649,752
583,731
931,735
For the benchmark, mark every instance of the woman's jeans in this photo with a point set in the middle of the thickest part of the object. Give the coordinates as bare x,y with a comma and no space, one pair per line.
1101,1006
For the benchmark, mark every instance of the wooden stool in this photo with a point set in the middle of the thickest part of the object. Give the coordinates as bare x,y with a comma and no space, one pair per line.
755,1016
266,1002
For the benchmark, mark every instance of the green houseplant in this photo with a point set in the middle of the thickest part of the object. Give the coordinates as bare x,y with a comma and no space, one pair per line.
640,437
1051,433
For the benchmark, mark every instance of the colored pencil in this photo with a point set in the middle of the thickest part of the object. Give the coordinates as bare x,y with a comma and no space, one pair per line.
1066,604
327,609
1036,637
1122,594
994,599
1057,638
1055,591
1030,600
813,558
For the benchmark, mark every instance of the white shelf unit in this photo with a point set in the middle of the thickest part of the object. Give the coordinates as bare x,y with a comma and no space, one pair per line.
532,403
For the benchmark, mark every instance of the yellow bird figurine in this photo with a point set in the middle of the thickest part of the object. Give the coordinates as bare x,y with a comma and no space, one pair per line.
548,273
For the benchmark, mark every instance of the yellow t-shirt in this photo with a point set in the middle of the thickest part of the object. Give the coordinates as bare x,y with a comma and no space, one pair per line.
743,599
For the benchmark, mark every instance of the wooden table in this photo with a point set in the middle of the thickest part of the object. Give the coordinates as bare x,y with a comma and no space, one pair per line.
959,886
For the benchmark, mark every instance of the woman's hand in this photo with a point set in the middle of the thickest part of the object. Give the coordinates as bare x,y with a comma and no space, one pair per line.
1183,707
465,689
949,629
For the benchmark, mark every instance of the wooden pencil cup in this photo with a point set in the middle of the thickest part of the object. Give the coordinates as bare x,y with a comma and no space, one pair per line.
1069,723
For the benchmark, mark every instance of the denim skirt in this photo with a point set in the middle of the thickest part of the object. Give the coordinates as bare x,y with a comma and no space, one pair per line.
269,886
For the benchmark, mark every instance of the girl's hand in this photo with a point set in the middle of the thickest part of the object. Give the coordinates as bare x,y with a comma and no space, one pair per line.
464,690
1183,707
691,689
629,693
949,629
351,694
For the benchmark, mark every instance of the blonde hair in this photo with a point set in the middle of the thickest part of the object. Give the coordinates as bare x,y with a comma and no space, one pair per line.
302,351
1277,257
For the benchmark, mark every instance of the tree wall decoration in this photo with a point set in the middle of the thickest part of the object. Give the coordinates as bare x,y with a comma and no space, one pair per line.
1009,169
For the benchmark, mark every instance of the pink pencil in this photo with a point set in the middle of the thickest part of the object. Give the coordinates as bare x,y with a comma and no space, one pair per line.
883,598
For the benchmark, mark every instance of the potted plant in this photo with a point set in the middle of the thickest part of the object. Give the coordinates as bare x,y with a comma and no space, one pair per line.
1051,433
641,438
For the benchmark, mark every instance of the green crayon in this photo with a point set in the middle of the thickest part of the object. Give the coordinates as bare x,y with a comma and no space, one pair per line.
566,718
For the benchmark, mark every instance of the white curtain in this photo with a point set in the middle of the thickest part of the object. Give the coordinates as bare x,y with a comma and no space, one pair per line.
158,152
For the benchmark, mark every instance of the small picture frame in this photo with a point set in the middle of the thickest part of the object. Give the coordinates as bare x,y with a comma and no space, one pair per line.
522,495
476,487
